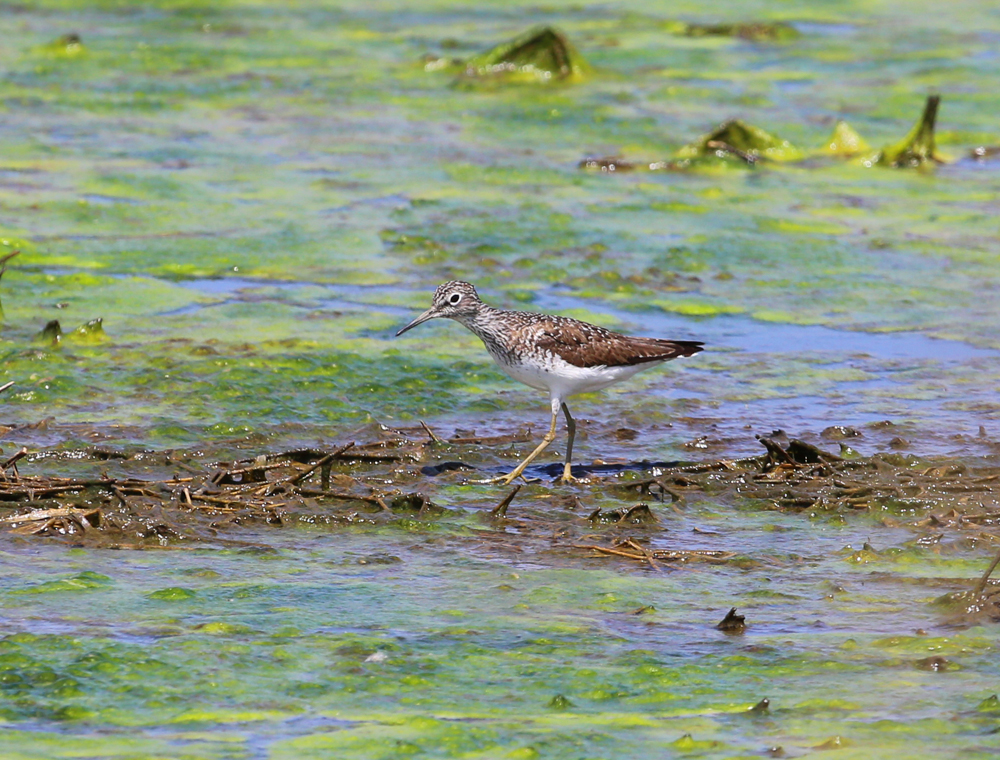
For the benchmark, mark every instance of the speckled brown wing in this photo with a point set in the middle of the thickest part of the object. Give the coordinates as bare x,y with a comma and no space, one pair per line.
585,345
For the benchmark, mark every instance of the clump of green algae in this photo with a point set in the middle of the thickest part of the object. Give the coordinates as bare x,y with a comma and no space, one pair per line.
541,55
845,142
68,45
917,148
738,140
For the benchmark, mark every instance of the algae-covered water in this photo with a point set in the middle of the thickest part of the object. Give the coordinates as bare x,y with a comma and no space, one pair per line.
254,197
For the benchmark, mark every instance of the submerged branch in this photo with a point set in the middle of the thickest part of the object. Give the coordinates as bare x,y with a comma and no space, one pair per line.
980,587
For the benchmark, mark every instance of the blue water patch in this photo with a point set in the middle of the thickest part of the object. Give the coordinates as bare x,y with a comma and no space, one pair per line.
744,333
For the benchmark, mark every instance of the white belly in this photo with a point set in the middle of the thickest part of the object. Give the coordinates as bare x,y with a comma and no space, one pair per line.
562,379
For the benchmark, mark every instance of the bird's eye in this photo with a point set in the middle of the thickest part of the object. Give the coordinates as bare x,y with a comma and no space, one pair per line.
455,298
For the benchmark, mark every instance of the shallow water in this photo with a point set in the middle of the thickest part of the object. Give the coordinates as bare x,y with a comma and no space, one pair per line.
255,197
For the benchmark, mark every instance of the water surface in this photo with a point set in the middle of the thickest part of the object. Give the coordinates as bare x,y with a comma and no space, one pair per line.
255,197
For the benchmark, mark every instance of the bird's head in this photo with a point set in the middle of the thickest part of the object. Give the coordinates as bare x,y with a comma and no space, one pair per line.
454,300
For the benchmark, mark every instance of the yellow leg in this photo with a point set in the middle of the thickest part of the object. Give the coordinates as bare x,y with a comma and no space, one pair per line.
567,476
516,472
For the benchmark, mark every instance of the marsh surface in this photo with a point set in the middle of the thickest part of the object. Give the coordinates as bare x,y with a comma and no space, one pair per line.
254,198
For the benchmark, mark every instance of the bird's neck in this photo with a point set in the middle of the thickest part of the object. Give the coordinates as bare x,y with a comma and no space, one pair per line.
484,323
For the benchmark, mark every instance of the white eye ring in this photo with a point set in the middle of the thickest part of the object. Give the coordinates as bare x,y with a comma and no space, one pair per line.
455,298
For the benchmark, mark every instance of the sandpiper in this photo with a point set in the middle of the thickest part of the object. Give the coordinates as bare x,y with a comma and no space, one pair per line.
559,355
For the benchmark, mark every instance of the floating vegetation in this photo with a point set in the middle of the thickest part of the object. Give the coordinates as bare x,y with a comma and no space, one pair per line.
754,31
845,142
51,334
607,164
69,45
91,333
738,141
985,153
917,148
733,143
733,623
539,56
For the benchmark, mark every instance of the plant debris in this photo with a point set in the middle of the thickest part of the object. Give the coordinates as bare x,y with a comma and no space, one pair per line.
733,623
985,153
192,502
738,143
753,31
736,139
917,148
845,142
630,549
539,55
607,164
500,510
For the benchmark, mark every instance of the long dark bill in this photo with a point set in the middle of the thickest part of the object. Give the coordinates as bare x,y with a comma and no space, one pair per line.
429,314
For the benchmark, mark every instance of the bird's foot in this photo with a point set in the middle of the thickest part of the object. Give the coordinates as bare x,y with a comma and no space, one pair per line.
567,477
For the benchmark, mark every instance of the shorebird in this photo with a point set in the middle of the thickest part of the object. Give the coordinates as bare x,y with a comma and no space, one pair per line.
560,355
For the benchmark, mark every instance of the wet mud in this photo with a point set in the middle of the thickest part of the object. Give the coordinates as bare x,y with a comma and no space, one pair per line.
944,503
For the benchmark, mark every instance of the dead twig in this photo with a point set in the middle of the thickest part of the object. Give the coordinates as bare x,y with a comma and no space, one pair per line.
775,452
345,496
500,510
232,504
47,514
616,552
430,433
120,495
628,542
254,474
750,159
296,479
491,440
31,493
699,555
33,529
5,259
646,486
980,587
14,459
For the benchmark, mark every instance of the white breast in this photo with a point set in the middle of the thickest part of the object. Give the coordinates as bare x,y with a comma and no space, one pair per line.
561,379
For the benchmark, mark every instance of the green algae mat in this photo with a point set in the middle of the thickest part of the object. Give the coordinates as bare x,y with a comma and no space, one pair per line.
236,515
